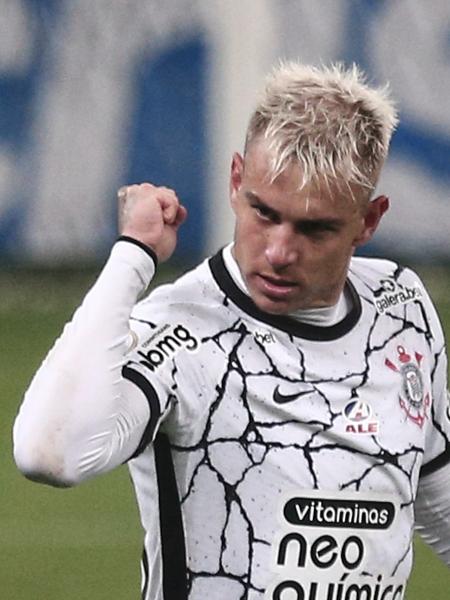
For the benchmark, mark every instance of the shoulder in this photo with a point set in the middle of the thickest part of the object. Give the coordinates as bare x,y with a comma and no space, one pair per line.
383,276
376,270
394,289
193,300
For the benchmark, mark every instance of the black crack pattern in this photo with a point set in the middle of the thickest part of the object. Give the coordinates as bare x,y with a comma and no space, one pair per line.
272,422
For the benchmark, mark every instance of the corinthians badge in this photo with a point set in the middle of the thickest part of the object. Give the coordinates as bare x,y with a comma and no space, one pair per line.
412,399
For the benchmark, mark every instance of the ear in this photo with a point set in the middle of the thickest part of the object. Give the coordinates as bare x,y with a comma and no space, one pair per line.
374,210
237,168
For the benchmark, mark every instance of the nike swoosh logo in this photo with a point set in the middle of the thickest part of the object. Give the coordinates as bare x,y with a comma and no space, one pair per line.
280,398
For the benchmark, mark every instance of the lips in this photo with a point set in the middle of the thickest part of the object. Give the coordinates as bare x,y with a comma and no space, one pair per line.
278,281
276,287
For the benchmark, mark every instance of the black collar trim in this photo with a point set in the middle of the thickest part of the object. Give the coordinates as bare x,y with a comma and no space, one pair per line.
287,324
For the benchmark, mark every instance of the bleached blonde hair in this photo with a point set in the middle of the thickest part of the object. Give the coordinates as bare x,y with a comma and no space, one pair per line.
328,119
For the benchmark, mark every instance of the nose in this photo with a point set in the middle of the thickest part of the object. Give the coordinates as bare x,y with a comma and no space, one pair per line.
281,248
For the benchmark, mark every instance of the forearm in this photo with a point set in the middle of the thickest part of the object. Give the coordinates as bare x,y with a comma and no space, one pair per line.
433,511
79,416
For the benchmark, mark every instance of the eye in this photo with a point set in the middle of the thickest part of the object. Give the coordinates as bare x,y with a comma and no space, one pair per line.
264,212
316,229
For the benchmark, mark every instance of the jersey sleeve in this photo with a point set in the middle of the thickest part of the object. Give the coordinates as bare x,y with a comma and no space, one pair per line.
432,506
168,364
85,412
432,511
437,443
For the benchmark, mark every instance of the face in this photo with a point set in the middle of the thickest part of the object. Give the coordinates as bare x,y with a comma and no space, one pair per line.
293,246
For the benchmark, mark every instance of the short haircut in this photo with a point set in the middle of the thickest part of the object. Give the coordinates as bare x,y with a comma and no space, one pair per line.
328,119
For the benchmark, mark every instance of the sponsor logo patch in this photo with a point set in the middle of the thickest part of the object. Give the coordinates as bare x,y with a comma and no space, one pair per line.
165,343
264,337
280,397
393,294
327,547
359,417
132,340
342,513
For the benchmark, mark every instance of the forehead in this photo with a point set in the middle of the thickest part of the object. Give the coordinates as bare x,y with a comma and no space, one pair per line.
286,190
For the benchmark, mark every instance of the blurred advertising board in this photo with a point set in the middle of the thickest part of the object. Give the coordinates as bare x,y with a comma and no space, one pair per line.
97,94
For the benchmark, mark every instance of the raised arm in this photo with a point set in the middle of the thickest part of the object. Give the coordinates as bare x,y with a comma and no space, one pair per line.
80,416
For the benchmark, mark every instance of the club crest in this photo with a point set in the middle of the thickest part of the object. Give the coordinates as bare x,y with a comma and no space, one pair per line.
412,399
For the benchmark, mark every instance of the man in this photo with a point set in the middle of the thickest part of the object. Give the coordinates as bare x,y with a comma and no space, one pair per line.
283,406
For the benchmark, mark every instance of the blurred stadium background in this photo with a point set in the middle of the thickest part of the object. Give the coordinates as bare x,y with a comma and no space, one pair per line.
96,93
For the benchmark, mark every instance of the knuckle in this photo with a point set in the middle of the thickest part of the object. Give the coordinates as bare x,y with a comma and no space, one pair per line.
146,186
169,192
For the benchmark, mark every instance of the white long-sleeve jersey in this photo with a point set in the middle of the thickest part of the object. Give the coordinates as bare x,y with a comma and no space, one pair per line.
271,458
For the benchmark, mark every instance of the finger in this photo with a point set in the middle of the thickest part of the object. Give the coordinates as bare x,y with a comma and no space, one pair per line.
180,216
170,205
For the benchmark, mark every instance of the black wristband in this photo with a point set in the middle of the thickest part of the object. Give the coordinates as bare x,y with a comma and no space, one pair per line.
147,249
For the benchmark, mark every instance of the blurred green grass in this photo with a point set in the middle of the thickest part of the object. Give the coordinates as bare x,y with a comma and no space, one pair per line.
85,543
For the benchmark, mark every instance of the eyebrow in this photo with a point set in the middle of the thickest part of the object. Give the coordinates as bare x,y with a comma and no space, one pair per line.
252,197
324,222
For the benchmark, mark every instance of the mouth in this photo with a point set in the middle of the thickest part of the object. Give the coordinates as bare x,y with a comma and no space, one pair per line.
277,288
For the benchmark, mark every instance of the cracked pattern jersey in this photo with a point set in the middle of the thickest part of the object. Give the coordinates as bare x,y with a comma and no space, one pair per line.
285,457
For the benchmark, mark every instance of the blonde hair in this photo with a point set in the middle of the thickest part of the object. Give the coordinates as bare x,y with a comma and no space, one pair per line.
328,119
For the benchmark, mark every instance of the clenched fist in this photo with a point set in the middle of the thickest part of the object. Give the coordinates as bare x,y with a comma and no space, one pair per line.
151,215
